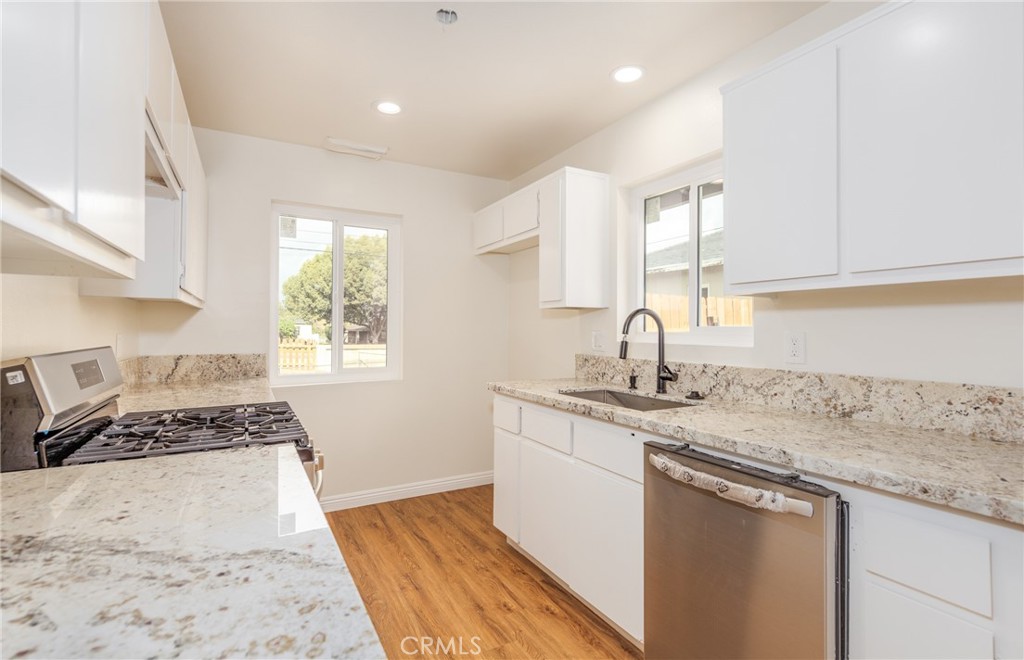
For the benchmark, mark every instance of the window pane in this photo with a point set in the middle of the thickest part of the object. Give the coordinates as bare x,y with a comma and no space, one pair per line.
365,292
305,294
715,307
666,260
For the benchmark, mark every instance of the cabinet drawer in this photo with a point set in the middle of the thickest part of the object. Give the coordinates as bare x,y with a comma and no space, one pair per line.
506,415
553,429
615,449
948,564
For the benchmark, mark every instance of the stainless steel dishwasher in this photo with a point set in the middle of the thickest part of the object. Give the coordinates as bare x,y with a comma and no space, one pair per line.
740,562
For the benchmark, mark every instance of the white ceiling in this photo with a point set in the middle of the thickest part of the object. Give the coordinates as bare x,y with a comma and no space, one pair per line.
510,85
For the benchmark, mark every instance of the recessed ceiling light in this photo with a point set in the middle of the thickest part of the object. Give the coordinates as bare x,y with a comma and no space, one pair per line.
388,107
628,74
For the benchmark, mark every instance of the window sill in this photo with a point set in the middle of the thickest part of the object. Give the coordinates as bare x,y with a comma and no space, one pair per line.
724,337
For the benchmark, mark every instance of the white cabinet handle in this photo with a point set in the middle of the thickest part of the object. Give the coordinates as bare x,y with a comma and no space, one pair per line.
756,498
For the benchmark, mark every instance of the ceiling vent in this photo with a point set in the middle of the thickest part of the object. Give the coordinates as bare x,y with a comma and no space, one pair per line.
340,146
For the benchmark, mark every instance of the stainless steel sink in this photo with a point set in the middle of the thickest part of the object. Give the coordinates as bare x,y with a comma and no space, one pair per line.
626,400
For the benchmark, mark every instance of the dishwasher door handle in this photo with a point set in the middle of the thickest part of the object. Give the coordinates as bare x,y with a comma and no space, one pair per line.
756,498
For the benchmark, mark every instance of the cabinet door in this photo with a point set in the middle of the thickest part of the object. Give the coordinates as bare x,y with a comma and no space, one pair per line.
40,43
521,212
780,172
180,128
552,267
161,68
111,116
584,238
931,100
546,523
487,226
901,627
195,239
609,570
506,483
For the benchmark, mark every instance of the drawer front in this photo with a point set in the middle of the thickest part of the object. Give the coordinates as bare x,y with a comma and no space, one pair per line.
506,415
951,565
613,448
553,429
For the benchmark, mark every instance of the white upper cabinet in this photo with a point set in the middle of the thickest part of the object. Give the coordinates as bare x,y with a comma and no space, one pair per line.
521,211
780,172
551,280
574,239
508,225
932,156
159,86
175,212
193,280
488,226
40,45
111,114
177,146
889,151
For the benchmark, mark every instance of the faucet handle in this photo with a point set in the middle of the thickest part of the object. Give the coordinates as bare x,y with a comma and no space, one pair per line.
668,374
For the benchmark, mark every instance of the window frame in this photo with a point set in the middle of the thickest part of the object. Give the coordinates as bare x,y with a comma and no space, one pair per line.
340,218
697,335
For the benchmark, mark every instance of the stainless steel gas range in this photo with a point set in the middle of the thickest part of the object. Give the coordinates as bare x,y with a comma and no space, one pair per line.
61,409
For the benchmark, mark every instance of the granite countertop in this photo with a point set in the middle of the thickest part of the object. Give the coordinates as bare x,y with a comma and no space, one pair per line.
209,554
183,394
979,476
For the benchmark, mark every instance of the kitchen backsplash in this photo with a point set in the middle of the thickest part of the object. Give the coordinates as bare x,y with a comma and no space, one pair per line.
169,369
996,413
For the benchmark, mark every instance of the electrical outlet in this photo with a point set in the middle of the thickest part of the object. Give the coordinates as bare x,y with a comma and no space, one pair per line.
795,348
597,340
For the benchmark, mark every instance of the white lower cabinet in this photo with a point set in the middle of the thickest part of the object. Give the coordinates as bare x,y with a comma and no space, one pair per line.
930,583
608,531
546,516
568,491
506,483
924,581
903,627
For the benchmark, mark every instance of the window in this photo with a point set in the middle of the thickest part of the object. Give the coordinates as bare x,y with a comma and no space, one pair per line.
336,280
681,222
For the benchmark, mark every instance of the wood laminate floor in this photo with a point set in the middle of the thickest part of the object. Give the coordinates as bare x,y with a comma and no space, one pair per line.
434,573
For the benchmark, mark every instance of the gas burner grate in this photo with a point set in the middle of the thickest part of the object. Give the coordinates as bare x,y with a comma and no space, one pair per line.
161,432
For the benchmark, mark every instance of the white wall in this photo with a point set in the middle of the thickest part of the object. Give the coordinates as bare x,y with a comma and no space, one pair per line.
970,332
433,424
43,314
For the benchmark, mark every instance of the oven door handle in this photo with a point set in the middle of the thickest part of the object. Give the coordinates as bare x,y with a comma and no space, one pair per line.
318,472
756,498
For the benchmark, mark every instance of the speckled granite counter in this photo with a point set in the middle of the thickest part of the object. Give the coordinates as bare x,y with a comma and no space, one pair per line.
212,554
980,476
161,396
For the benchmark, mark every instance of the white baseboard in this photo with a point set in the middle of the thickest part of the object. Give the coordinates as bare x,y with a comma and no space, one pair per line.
391,493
